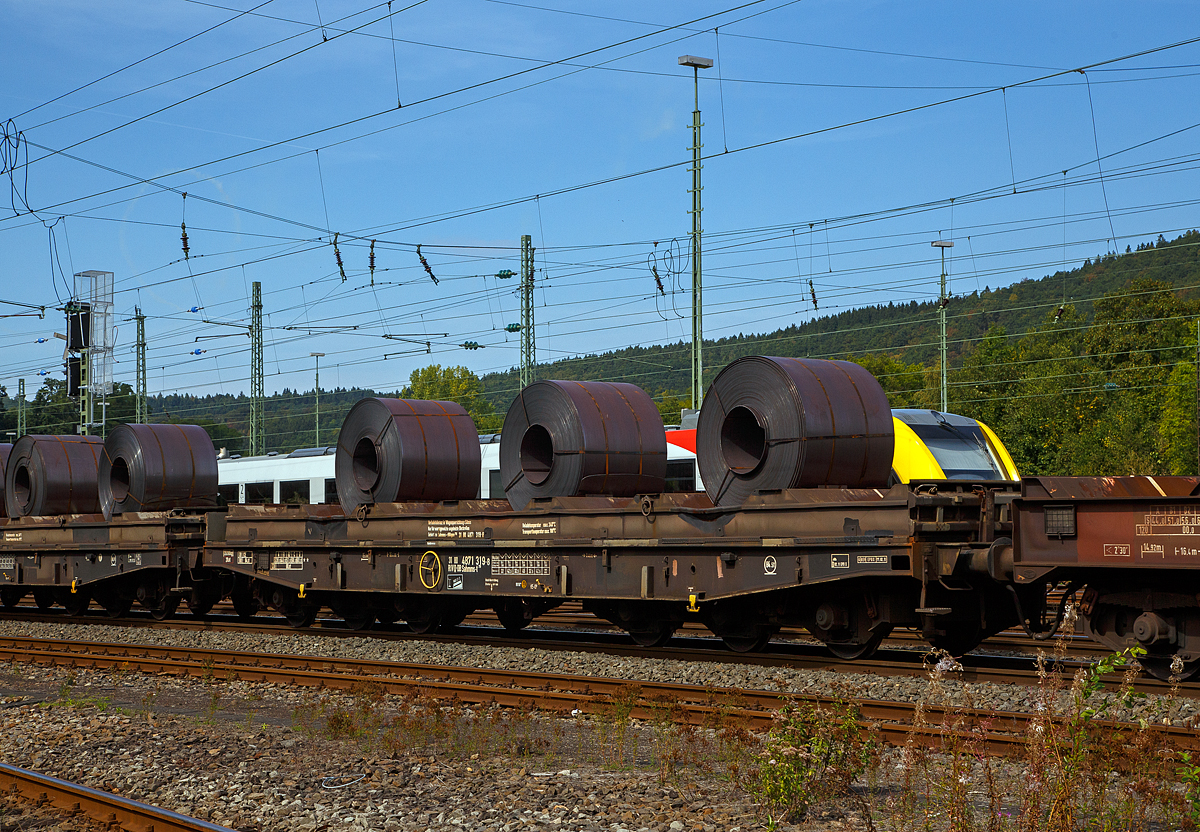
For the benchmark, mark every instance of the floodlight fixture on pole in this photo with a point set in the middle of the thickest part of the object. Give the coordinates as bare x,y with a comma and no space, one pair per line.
943,301
317,394
697,64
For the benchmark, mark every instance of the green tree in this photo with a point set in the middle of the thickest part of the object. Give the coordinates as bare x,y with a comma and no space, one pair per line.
983,387
455,384
1177,426
670,407
905,384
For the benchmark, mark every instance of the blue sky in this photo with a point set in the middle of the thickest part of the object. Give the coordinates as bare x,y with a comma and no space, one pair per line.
279,120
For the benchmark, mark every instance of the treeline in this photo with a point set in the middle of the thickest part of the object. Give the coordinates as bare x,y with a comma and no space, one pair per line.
1102,384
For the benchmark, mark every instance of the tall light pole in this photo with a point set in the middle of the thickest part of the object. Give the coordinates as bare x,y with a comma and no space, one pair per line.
696,64
317,394
943,302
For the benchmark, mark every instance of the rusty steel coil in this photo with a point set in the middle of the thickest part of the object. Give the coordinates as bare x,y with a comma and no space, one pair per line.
564,438
769,423
393,450
53,475
157,467
5,450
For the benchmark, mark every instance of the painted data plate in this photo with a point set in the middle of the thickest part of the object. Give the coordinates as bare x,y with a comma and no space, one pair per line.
1135,534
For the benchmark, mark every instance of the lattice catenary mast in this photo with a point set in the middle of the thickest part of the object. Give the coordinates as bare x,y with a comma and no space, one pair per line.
527,346
258,438
139,394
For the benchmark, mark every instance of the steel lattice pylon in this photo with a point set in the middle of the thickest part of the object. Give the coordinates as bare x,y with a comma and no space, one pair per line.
527,348
258,438
140,392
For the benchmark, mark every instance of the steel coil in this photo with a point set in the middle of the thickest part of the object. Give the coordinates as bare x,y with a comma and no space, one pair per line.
392,450
770,423
157,467
565,438
53,475
5,450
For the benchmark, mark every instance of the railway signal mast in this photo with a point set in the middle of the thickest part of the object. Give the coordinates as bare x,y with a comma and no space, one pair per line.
943,302
696,64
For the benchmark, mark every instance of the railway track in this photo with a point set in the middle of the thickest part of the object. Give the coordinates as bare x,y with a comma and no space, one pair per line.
111,810
900,657
1000,733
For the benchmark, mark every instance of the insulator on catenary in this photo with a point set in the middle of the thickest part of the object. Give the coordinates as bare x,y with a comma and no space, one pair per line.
425,263
771,423
53,475
567,438
392,450
5,450
157,467
337,255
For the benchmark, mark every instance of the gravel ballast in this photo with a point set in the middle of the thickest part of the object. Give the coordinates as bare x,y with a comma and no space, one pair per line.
984,695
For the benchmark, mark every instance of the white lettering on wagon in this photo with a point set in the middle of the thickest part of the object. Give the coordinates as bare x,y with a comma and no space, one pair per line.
539,527
504,564
459,529
466,563
287,560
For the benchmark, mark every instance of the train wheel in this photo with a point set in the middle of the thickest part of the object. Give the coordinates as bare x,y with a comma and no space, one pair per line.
76,603
852,651
748,643
422,616
44,598
1160,668
10,596
387,615
514,616
165,608
301,615
957,642
453,617
655,634
200,602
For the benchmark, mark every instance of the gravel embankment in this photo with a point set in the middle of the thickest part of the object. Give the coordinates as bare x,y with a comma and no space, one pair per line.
253,756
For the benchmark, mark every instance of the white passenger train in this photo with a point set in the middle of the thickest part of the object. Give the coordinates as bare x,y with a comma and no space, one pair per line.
306,475
929,446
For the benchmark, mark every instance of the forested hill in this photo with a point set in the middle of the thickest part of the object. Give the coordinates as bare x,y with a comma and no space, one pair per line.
908,332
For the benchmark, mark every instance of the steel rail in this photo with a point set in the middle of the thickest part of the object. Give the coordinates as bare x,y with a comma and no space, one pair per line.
105,808
983,667
997,732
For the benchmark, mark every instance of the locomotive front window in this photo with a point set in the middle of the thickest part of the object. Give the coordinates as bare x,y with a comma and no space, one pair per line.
961,452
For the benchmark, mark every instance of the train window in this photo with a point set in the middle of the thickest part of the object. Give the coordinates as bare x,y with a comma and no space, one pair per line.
294,492
331,496
681,476
495,489
228,493
961,452
258,493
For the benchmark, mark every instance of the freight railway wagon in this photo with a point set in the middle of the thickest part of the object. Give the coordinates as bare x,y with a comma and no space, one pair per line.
798,525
